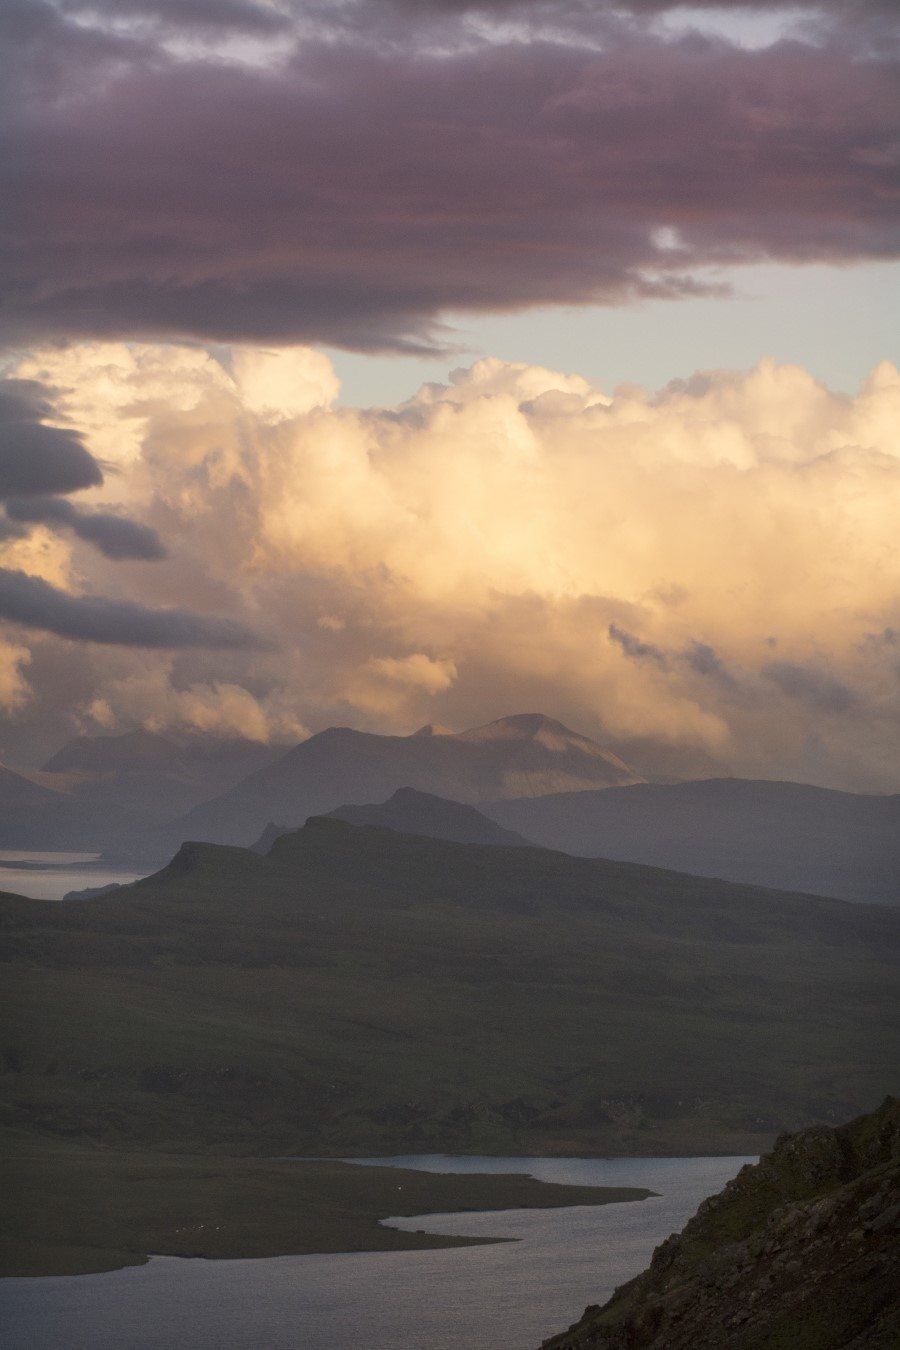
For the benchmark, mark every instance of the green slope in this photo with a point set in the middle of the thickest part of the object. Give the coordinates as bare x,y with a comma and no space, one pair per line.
359,990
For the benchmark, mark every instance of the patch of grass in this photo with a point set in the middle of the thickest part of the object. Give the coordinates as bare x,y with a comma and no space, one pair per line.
71,1209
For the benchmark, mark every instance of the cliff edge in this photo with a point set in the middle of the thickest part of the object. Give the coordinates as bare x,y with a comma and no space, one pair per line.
801,1251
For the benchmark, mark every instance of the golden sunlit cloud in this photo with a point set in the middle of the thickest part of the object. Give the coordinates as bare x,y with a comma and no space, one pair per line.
710,567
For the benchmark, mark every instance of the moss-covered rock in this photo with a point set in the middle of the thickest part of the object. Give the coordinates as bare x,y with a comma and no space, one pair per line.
799,1252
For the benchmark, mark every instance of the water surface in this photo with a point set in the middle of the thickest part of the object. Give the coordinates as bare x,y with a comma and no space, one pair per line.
503,1297
48,876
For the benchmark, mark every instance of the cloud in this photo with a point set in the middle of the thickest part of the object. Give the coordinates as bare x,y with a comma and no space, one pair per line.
816,687
36,459
513,539
34,603
705,660
115,536
9,529
215,708
416,670
276,385
14,690
238,16
361,185
635,648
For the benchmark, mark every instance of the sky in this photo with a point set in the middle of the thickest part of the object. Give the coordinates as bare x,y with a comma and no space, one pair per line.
391,362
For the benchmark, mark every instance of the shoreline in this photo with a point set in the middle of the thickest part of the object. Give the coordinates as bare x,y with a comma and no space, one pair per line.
77,1210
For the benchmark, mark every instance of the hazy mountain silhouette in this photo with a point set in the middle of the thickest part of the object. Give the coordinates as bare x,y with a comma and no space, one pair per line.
97,790
129,751
514,756
268,837
412,812
43,811
787,835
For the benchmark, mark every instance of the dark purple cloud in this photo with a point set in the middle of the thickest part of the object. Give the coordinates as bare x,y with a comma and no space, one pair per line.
34,603
356,192
115,536
36,459
705,660
816,687
259,17
635,648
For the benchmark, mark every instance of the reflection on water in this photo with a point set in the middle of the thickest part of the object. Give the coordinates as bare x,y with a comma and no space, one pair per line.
48,876
504,1297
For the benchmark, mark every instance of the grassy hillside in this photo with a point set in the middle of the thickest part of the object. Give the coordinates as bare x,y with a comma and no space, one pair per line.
359,990
73,1208
797,1253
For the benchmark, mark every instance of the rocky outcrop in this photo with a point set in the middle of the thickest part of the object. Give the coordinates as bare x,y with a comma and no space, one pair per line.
799,1252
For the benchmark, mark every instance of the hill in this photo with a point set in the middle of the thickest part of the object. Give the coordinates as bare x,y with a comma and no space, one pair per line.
265,841
798,1251
110,754
98,791
785,835
511,757
154,776
412,812
358,990
44,811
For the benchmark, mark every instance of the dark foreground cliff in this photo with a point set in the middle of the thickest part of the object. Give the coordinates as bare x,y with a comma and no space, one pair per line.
800,1252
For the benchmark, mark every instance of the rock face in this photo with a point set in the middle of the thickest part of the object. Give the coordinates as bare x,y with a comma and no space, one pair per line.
800,1252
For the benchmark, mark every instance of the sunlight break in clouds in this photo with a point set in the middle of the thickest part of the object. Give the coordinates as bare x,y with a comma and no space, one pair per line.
711,567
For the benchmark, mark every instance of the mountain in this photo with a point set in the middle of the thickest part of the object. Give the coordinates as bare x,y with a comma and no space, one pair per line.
99,790
797,1253
412,812
155,776
268,837
786,835
511,757
130,751
359,990
40,811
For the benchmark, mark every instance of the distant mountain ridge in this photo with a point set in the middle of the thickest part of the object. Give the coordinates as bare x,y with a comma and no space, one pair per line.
412,812
514,756
98,790
138,795
786,836
130,750
791,836
42,811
